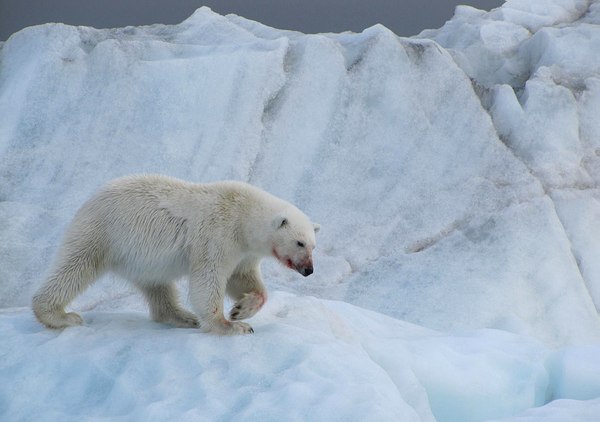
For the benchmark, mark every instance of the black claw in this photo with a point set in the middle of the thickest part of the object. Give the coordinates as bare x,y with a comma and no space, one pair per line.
234,315
252,330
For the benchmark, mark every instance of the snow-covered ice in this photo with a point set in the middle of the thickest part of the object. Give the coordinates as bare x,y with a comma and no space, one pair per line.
455,175
310,359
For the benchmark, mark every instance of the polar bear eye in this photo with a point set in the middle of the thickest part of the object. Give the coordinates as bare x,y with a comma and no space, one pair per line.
301,244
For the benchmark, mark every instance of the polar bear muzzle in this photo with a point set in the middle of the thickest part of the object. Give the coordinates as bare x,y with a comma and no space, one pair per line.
305,268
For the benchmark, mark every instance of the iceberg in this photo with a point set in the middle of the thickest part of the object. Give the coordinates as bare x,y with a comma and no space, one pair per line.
454,173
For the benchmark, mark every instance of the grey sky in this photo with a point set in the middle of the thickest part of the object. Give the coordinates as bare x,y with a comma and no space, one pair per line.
404,17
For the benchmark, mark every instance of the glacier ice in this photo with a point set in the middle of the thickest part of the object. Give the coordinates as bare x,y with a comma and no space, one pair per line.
455,175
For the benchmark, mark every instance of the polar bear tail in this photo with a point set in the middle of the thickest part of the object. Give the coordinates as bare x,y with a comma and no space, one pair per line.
76,269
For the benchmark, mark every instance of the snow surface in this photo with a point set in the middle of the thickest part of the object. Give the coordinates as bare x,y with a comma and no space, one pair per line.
455,175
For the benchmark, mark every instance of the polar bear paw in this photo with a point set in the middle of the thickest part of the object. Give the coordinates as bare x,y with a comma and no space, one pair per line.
59,319
247,306
182,319
240,328
225,327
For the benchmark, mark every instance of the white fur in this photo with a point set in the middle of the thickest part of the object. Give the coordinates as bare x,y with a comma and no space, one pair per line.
153,229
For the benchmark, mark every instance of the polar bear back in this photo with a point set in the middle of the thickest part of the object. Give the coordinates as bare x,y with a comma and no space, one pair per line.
145,225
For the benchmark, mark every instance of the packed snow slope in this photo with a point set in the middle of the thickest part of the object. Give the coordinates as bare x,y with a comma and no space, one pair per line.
455,175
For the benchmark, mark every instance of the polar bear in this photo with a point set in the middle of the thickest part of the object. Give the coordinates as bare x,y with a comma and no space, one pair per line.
153,229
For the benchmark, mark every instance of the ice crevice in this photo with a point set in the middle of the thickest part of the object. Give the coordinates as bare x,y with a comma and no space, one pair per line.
408,388
271,107
576,258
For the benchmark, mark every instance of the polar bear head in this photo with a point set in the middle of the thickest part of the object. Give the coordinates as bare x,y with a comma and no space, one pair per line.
293,240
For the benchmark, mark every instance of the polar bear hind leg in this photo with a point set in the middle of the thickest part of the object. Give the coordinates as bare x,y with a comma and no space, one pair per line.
164,306
75,271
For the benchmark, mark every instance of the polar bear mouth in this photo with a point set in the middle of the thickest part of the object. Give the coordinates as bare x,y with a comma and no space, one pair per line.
305,268
284,260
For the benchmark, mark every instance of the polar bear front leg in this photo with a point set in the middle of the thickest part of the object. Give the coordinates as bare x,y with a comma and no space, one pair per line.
207,291
248,290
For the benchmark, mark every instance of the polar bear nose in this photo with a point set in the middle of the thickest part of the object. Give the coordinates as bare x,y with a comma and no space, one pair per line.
306,271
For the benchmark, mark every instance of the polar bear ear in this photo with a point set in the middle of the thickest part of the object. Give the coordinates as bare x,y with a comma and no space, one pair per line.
317,227
281,222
